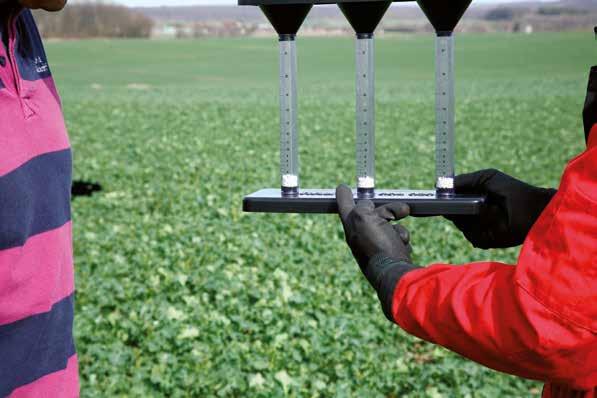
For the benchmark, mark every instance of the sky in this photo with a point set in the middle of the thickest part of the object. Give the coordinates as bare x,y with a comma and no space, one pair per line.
134,3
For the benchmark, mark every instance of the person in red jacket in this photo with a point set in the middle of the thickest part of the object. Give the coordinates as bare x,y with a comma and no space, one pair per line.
536,320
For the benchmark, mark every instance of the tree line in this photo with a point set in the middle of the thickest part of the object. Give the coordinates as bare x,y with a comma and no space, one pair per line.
89,20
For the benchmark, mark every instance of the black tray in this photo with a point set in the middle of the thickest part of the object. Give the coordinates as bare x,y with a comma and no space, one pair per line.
323,201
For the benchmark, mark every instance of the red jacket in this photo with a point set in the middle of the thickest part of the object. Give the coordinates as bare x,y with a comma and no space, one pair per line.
537,319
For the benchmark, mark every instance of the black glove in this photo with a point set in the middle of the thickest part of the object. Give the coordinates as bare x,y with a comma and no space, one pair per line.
511,209
381,249
367,229
589,114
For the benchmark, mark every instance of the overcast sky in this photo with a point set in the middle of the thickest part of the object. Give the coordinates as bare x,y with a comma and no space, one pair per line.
222,2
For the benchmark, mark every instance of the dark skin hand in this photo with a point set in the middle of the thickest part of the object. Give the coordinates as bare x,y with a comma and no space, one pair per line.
48,5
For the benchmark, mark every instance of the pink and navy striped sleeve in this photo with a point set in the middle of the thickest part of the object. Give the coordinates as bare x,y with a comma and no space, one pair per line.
37,351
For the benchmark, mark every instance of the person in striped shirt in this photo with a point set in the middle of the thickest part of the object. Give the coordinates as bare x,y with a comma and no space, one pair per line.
37,351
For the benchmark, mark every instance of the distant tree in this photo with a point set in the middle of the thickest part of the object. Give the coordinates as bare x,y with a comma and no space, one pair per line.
500,14
94,19
559,11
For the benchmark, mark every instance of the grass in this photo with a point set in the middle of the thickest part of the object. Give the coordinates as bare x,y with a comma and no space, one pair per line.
181,294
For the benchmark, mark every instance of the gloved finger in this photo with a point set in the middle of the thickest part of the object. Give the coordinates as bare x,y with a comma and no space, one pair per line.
344,200
462,222
456,218
589,113
366,205
473,231
409,249
473,182
393,211
403,233
590,107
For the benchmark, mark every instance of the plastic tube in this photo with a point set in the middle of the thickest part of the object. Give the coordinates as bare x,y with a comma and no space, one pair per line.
289,160
444,107
365,114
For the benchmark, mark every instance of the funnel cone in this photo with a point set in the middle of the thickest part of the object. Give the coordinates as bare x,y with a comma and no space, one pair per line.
444,15
364,16
286,18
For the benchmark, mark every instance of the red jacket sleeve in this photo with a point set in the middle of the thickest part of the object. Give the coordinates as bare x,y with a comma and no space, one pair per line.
537,319
479,311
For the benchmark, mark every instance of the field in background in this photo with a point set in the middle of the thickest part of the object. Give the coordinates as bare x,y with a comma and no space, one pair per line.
180,293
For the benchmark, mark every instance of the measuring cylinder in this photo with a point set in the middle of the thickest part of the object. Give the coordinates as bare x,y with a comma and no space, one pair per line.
289,159
365,114
444,110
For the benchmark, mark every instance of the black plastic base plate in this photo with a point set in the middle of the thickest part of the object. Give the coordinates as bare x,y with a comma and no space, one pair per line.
323,201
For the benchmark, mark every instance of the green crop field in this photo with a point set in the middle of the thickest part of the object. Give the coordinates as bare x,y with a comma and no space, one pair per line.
181,294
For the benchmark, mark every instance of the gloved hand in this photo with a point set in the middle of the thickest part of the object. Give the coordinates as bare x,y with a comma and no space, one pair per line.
511,209
368,231
589,113
381,249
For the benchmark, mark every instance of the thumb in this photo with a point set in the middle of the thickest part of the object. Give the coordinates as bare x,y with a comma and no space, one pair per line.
393,211
345,201
474,183
403,233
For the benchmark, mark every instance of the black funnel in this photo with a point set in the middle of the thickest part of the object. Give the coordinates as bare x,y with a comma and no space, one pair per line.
444,15
364,16
286,18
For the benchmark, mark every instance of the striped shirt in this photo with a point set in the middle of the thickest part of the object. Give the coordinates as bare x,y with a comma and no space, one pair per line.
37,351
